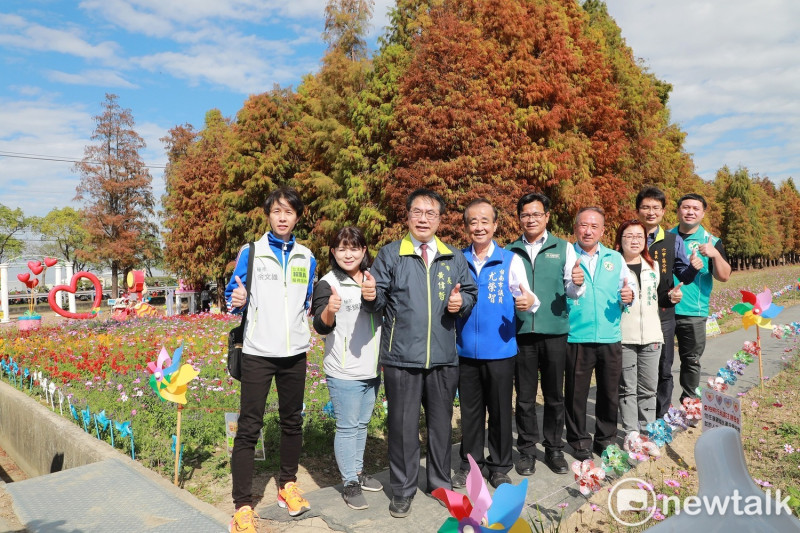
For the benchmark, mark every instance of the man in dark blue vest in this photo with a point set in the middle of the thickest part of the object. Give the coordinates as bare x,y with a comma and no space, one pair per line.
487,346
668,250
550,265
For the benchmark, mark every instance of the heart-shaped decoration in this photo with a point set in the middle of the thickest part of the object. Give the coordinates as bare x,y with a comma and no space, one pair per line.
728,402
34,282
50,261
24,277
73,288
718,397
36,267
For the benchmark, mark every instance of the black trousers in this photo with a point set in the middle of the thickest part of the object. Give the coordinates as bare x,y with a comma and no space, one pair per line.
290,380
546,354
665,381
691,334
606,361
406,390
485,385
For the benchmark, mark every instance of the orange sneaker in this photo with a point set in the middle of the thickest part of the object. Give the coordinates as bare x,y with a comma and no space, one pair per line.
290,497
243,520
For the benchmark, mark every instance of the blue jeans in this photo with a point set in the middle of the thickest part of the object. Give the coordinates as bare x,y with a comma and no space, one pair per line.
353,401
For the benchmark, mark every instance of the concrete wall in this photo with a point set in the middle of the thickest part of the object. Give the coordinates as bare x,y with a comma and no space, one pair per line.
40,441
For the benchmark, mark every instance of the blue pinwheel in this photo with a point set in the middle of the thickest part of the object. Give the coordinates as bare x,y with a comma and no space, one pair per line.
101,421
328,410
124,429
660,432
87,418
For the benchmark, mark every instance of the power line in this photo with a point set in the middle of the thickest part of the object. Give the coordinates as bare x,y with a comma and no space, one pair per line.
40,157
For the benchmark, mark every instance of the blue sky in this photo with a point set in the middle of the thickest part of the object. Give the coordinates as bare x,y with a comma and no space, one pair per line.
733,65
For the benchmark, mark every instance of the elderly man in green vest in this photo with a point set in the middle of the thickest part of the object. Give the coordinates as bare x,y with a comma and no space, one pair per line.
550,264
691,313
594,343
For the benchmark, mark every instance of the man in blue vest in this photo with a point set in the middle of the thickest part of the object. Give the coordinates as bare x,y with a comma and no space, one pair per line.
487,347
666,249
691,313
551,269
594,341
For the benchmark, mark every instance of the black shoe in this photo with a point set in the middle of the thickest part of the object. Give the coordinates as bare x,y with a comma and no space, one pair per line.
526,464
498,478
459,479
582,455
554,459
400,507
353,497
369,483
598,449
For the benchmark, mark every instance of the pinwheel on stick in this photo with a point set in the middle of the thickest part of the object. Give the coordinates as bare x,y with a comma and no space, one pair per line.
170,384
757,310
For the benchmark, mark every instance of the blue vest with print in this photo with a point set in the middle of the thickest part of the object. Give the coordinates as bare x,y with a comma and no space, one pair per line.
595,316
489,332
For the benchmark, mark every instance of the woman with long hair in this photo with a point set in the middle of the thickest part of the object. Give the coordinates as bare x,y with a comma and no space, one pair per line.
352,345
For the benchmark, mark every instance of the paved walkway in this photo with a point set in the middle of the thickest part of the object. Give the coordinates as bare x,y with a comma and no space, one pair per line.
106,496
545,489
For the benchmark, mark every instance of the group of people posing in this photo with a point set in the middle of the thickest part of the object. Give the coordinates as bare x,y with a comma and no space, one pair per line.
483,321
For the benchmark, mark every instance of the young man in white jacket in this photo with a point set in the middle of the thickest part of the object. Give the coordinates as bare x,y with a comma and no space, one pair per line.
276,339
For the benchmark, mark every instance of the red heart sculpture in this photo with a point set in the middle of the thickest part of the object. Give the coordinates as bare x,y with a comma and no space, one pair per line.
73,288
34,282
24,277
50,261
36,267
29,283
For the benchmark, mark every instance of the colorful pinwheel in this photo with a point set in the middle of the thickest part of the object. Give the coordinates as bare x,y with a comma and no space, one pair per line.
615,460
588,476
639,447
757,309
676,419
660,433
694,410
87,418
718,384
171,383
501,513
101,421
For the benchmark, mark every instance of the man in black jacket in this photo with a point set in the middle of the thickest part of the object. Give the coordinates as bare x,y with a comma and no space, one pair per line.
420,285
668,251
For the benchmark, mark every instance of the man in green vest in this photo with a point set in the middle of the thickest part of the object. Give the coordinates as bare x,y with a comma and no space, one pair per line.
542,336
691,313
594,343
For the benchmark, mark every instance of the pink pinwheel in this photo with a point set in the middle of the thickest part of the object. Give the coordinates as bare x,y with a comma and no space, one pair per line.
757,309
157,368
718,384
478,509
638,444
588,476
694,409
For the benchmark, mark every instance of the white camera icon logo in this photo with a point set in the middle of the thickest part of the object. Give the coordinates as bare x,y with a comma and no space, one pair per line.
631,495
631,500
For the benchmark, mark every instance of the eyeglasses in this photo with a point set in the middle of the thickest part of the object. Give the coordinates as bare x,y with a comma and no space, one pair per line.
650,208
633,238
419,213
527,216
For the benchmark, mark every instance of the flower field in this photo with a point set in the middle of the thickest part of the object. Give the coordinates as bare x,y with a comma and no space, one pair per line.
102,367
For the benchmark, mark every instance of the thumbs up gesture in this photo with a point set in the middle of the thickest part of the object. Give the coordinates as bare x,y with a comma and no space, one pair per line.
454,302
675,294
707,249
368,287
239,294
525,300
626,293
695,261
577,273
334,301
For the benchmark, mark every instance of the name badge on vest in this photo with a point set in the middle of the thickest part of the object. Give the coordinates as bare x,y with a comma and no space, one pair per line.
299,275
608,265
551,255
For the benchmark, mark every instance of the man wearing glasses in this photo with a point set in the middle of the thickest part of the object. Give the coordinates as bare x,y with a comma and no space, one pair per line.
553,275
421,286
668,250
